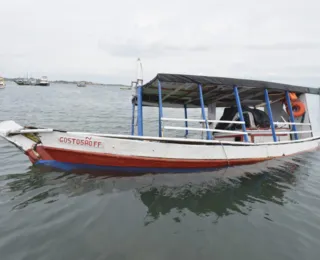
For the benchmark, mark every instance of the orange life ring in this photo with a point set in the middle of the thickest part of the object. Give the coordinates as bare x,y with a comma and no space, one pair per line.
298,108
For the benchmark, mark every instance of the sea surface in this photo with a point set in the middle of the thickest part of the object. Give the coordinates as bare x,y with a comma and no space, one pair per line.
265,211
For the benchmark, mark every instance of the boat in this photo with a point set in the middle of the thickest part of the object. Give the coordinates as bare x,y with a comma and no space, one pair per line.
2,83
43,81
19,81
23,82
261,121
81,84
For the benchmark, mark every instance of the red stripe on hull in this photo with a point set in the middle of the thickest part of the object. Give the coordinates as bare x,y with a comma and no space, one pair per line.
99,159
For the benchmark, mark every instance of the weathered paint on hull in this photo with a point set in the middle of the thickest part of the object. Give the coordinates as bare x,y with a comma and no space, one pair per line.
77,150
84,168
75,160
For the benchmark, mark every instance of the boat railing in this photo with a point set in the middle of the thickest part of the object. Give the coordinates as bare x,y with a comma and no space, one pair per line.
289,123
233,132
202,121
201,129
293,124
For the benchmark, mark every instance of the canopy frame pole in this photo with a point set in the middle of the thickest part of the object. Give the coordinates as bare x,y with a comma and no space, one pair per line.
236,94
160,108
291,115
140,111
266,97
133,115
209,136
186,121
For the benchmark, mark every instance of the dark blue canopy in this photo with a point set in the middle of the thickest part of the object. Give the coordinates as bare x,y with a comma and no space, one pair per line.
178,89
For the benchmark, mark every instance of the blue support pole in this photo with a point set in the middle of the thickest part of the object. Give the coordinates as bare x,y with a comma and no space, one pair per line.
186,117
209,137
132,121
266,97
140,115
291,115
236,94
160,108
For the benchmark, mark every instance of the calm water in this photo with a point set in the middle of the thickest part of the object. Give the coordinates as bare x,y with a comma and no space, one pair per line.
266,211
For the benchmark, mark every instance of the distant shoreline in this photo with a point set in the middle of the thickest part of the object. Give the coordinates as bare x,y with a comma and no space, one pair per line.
87,83
75,82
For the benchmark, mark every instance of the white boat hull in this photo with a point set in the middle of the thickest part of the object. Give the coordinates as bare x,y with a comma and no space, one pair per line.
71,150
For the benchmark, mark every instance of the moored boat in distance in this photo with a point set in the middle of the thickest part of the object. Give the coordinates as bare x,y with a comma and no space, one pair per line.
23,82
261,121
43,81
81,84
2,83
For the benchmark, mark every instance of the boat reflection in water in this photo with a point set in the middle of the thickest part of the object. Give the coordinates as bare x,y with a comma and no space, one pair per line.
219,197
222,192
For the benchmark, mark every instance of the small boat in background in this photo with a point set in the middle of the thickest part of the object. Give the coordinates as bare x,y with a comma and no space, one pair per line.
2,83
33,82
81,84
23,81
43,81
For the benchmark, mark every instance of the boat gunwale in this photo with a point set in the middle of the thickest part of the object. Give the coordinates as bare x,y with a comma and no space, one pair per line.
194,141
153,138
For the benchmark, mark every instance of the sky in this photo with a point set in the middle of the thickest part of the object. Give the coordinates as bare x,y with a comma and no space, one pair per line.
100,40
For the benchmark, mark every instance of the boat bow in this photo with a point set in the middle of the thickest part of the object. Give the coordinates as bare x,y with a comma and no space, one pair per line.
11,131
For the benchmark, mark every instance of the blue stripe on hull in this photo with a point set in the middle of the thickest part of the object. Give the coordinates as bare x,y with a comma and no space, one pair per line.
113,169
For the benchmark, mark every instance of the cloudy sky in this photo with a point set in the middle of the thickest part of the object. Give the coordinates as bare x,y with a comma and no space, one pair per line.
99,40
